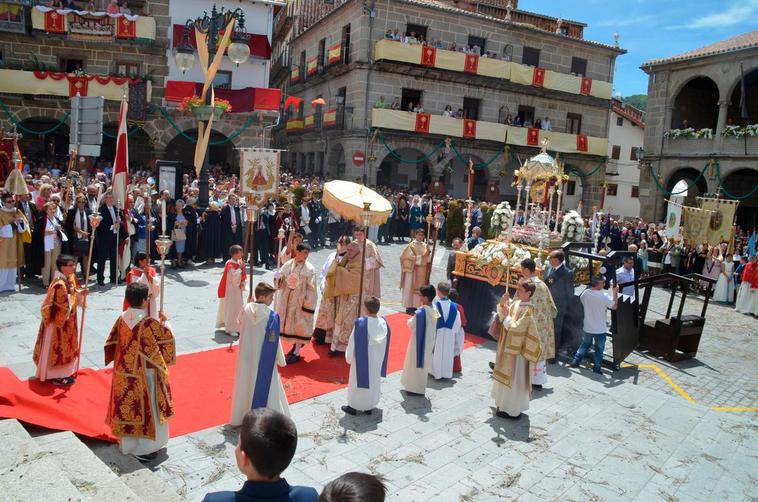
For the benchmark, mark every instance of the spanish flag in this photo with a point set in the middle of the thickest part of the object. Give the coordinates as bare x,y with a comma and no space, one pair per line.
335,53
330,118
309,121
312,65
295,74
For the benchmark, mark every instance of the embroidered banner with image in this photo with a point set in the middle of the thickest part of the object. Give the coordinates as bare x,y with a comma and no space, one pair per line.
259,173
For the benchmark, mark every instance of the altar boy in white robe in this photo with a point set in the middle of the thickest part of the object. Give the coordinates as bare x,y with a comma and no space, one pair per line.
366,354
230,292
418,357
256,380
448,341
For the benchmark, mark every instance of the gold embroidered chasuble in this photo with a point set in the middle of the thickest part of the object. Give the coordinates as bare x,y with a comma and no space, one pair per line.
148,344
519,338
59,309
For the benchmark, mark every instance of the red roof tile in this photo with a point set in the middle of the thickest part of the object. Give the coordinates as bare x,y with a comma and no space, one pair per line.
740,42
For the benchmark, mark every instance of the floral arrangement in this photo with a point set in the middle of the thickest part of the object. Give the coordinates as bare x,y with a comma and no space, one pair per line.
680,133
495,254
502,219
736,131
572,227
706,133
577,263
191,102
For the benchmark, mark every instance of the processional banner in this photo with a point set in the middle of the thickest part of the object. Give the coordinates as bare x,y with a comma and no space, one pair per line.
673,218
259,173
720,220
695,225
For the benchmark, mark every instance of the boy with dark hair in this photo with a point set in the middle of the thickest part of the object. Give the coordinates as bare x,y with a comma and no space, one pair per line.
418,357
267,443
230,289
448,340
141,350
367,352
256,380
354,487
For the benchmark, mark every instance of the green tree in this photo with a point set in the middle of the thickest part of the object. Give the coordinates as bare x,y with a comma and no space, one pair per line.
638,101
454,222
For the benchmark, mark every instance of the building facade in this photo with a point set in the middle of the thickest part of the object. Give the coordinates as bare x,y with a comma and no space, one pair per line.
49,55
698,127
519,67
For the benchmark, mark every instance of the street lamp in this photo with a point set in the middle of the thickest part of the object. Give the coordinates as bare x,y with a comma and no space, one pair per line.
238,52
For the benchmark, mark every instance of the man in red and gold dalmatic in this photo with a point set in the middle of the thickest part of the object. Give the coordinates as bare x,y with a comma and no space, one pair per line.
141,350
56,352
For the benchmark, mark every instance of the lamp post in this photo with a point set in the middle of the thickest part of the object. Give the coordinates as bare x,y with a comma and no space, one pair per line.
370,10
184,57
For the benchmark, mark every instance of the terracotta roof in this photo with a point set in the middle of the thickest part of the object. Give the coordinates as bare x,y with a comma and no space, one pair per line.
740,42
437,4
629,112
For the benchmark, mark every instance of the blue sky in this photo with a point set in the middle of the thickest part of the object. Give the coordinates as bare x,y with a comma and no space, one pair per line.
651,29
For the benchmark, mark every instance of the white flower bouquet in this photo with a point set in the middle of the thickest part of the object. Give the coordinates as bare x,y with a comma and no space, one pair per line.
705,133
502,219
572,227
680,133
495,254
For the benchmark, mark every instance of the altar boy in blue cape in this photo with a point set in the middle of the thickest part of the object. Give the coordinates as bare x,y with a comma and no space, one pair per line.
418,357
256,380
366,354
448,341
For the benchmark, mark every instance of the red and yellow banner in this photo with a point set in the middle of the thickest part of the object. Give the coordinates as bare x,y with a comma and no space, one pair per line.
428,55
422,122
309,121
586,87
311,65
472,63
330,117
469,128
335,54
581,142
294,125
125,28
55,22
295,74
538,77
533,136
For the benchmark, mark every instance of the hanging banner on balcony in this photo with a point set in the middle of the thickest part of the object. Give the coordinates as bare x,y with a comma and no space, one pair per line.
55,22
312,65
721,217
330,118
469,128
581,142
295,74
695,224
126,28
259,173
533,136
428,55
538,77
335,53
309,121
422,122
472,63
586,87
89,28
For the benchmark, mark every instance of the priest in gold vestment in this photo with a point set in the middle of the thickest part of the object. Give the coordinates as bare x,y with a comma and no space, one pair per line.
343,285
518,348
14,231
141,350
414,262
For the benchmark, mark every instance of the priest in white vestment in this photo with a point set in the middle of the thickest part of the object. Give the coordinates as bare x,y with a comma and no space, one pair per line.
13,227
448,341
418,357
367,353
257,383
230,292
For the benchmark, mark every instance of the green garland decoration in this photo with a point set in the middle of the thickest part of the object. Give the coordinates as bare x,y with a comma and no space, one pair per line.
397,156
668,193
186,136
477,165
18,124
730,195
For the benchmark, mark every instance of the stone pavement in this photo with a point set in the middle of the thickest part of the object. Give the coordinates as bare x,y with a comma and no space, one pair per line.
624,436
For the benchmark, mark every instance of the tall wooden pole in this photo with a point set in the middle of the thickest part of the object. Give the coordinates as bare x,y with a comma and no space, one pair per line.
366,214
94,222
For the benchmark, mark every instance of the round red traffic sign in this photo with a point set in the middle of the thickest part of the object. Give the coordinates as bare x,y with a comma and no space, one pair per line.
359,158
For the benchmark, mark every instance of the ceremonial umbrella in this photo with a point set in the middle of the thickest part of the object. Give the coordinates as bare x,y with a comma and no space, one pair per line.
349,200
360,204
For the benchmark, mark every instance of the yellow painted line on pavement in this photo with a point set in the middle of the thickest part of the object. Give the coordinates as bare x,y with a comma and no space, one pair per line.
682,392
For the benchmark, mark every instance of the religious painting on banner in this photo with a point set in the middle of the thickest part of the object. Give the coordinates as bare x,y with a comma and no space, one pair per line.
538,77
259,173
55,22
674,217
694,225
422,122
126,28
533,136
586,87
720,219
90,28
428,55
472,63
581,142
469,129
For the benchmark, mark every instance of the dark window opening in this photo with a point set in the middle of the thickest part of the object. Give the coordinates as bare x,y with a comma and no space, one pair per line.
635,191
127,69
70,65
410,99
321,54
526,115
620,121
471,108
573,123
346,44
570,187
478,41
303,67
223,79
530,56
633,153
416,29
613,189
616,152
579,66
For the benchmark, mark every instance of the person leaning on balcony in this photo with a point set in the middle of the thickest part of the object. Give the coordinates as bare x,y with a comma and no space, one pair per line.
395,104
113,7
388,35
546,125
448,111
380,103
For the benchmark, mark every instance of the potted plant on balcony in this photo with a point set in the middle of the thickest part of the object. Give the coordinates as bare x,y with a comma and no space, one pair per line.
202,111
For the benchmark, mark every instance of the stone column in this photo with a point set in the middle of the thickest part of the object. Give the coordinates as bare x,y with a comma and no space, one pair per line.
723,107
592,191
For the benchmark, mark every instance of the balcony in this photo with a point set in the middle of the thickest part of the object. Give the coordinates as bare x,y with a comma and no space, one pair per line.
718,145
282,23
424,123
246,100
13,17
93,26
332,119
391,50
39,83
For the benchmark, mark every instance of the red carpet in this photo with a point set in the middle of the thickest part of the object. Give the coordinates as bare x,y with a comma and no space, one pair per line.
201,384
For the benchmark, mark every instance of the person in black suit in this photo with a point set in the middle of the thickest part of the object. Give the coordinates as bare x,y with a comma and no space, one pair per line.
191,213
30,210
266,445
261,235
316,209
457,245
110,227
77,228
231,225
560,281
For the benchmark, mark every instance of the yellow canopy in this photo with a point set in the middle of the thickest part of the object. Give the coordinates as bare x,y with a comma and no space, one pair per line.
347,198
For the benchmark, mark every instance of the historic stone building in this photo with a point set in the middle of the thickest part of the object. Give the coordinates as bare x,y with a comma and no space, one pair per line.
698,129
48,55
485,66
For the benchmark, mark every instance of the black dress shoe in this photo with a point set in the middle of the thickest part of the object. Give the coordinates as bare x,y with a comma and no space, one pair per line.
349,410
413,393
292,358
101,283
492,365
536,386
149,457
333,353
503,414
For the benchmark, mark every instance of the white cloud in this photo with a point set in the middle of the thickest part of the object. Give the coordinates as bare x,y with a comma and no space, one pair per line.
628,21
737,13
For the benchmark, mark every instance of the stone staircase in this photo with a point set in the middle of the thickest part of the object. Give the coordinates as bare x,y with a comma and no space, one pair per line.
58,466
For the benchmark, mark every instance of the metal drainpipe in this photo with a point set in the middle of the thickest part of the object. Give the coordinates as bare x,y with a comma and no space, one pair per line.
276,123
371,15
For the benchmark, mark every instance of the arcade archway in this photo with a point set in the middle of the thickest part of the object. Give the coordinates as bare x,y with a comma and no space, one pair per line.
739,184
735,112
404,168
140,146
695,185
52,146
221,154
696,105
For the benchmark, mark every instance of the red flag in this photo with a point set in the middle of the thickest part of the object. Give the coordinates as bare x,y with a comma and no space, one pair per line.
471,64
55,22
428,55
126,28
422,122
581,142
586,86
532,136
121,163
538,77
469,128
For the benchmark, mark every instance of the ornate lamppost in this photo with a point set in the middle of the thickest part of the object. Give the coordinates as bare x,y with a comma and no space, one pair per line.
220,26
